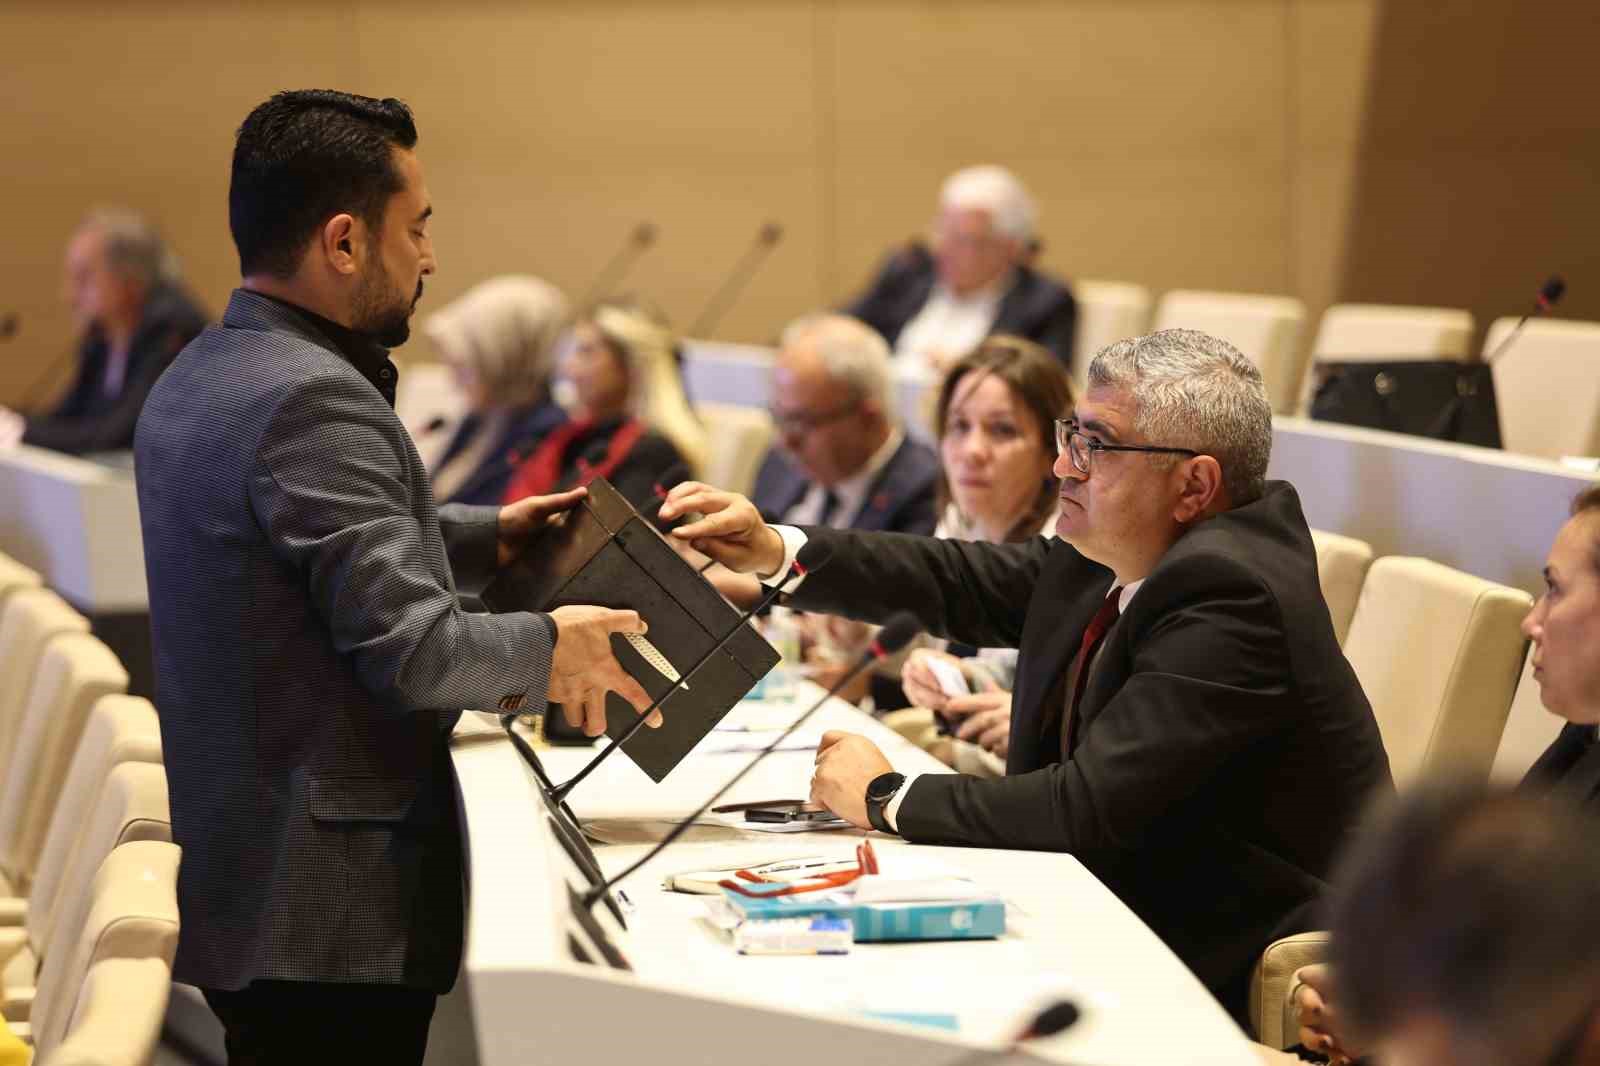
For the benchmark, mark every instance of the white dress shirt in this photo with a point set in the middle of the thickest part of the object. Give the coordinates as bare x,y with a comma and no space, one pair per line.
850,494
948,325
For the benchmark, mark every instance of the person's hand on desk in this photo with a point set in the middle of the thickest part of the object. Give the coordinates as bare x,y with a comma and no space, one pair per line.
584,668
987,719
12,427
730,529
846,765
1319,1022
520,520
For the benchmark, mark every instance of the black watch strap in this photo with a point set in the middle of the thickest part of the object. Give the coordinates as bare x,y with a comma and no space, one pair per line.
880,791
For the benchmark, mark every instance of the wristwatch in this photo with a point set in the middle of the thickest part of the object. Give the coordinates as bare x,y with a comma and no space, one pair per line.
880,790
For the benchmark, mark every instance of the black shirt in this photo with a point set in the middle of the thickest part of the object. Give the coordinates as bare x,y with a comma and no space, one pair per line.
364,353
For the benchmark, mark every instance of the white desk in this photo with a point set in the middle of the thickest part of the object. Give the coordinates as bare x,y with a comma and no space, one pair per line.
692,999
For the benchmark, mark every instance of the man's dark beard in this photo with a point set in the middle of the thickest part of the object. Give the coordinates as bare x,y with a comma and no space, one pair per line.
389,325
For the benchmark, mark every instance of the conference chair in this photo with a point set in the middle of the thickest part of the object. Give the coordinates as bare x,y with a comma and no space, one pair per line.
1547,387
739,438
111,1016
13,575
1342,564
1438,653
74,673
1353,333
120,729
1530,729
1265,329
1107,311
132,806
29,619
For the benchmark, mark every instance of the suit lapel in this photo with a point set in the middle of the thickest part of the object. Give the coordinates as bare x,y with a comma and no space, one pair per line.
880,502
1582,782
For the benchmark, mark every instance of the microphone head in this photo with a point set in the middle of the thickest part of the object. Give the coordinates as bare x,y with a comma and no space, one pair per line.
644,234
1062,1014
771,233
1551,292
895,634
813,556
9,323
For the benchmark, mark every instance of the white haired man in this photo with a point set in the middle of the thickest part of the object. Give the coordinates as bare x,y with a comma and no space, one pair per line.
1182,709
935,303
134,316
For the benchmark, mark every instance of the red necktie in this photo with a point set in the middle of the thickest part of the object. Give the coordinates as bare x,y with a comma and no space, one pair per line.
1092,637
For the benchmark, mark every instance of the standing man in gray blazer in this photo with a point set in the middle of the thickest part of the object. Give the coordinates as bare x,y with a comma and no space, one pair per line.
311,653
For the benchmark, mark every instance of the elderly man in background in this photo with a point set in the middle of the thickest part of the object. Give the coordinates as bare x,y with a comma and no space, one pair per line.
134,316
935,304
842,458
1182,710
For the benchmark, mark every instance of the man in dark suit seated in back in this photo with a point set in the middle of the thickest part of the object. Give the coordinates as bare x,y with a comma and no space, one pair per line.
842,458
1182,711
135,316
935,304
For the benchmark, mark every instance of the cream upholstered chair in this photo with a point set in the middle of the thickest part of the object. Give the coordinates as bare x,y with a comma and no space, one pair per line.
1438,653
131,912
1530,728
13,575
1352,333
1342,564
120,729
29,619
75,671
120,1012
132,807
1547,387
1107,311
739,439
1266,329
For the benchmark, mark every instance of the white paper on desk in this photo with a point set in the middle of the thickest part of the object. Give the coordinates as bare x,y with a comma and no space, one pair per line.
751,741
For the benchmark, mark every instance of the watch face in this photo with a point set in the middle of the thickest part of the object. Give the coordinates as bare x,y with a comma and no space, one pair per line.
884,786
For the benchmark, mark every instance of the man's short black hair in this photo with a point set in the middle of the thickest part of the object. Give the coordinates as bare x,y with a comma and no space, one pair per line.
303,157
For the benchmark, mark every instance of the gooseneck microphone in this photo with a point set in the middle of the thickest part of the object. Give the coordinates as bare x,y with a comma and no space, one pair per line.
10,323
767,238
813,556
1550,294
896,634
639,240
1058,1017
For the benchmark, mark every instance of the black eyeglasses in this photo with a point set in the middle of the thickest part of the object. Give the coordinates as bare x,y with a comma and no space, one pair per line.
1081,448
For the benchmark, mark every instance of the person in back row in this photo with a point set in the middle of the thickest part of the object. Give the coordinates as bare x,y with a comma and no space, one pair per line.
134,315
500,341
631,423
1182,708
977,278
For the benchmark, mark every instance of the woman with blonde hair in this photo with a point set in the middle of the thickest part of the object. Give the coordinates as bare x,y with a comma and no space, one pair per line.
631,423
499,340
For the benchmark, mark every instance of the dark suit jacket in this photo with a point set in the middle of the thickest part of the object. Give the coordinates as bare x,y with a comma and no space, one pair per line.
1036,306
521,436
311,660
1570,767
903,498
1220,721
90,421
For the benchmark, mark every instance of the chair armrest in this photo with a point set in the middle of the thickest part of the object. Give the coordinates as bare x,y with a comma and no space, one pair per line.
1273,983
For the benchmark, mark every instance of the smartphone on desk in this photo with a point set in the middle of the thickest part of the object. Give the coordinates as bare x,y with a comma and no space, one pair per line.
792,811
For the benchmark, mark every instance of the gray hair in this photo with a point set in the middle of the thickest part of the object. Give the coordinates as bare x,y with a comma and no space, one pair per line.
133,247
1193,390
852,353
997,191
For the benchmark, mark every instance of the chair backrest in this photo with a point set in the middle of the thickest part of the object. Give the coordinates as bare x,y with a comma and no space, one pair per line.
120,1011
1530,728
1342,564
1107,311
75,671
100,806
1437,652
1386,333
130,912
1547,386
29,619
1266,329
739,438
13,575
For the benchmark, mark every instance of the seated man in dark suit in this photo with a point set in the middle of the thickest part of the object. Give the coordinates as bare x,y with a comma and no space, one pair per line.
935,305
135,316
1182,710
842,458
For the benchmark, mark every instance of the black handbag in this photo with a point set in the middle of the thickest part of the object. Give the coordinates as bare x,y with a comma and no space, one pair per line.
1442,399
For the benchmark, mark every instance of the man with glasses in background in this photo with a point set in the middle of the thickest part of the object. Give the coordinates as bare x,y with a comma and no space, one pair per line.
842,459
1183,715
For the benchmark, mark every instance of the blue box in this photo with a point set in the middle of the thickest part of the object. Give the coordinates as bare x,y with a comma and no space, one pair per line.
968,919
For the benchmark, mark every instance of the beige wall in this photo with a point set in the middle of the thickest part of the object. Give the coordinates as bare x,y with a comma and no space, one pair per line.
1218,144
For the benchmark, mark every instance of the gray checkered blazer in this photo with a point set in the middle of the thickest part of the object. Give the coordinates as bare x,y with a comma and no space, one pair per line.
311,658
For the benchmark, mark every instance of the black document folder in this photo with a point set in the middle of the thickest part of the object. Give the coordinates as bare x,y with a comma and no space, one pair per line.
602,552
